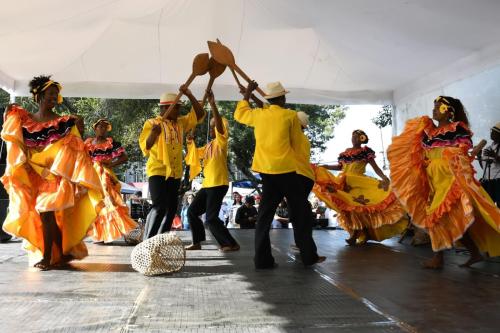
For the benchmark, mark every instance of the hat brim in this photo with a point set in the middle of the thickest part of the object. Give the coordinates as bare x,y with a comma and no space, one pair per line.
108,128
278,94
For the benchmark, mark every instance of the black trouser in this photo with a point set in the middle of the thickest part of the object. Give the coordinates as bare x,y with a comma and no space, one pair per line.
303,231
209,201
492,186
274,188
164,194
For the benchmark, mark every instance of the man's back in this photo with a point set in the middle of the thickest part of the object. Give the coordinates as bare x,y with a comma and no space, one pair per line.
276,131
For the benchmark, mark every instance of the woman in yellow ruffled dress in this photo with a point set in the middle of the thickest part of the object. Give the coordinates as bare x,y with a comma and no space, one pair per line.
366,206
53,189
433,176
114,220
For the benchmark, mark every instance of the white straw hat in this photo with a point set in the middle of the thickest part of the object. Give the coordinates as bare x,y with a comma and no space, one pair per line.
275,89
167,98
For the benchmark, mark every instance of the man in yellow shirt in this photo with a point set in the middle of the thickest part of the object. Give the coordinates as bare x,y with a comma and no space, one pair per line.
215,183
161,141
277,135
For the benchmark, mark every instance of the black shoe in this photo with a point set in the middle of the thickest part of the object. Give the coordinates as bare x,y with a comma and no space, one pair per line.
319,260
4,237
273,266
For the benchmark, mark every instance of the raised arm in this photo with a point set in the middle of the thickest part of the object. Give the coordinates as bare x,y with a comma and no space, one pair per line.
219,126
198,109
252,85
254,98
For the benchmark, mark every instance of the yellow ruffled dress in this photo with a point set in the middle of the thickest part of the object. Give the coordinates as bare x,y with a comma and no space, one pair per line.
357,199
433,176
48,170
114,220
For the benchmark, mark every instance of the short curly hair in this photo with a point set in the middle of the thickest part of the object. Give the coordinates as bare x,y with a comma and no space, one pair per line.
37,83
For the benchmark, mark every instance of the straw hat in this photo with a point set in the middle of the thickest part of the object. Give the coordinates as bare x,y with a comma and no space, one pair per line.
275,89
167,98
496,128
103,120
303,118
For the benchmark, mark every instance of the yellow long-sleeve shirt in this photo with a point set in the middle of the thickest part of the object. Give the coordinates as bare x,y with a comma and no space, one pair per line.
303,156
277,133
214,157
165,156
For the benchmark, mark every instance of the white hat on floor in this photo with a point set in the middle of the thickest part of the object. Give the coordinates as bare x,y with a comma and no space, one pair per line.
275,89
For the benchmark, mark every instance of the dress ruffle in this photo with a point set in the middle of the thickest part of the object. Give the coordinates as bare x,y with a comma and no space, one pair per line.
104,151
408,175
356,154
58,178
438,188
382,209
114,220
107,144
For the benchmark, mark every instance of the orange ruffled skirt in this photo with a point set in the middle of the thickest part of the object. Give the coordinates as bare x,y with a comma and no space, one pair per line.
60,179
114,220
440,192
381,215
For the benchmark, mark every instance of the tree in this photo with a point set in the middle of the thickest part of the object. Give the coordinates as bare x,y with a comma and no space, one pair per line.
322,122
383,119
128,116
4,99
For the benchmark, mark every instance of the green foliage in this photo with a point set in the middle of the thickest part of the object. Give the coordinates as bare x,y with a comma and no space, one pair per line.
383,117
4,99
128,117
322,122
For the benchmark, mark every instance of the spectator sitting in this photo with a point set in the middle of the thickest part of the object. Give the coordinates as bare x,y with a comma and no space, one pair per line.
257,202
281,215
139,207
246,215
231,216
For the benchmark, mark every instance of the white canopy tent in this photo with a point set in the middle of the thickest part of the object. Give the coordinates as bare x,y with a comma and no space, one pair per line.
324,51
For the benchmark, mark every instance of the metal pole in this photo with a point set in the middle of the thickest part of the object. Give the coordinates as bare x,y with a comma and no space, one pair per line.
384,166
